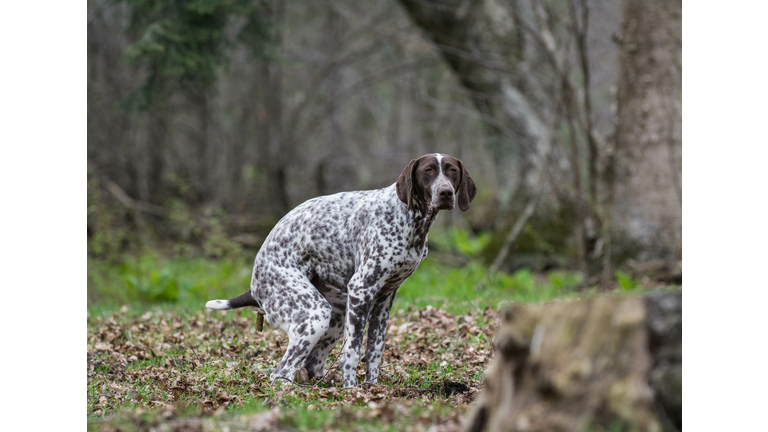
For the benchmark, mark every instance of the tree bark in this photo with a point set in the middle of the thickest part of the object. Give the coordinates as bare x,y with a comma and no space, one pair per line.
648,136
276,148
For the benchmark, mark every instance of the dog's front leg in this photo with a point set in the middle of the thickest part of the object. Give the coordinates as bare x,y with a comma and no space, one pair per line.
377,330
359,298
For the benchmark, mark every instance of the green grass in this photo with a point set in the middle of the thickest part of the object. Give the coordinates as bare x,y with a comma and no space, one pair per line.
453,289
382,416
152,278
187,283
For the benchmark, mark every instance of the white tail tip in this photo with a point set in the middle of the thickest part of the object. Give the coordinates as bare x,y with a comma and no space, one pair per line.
218,304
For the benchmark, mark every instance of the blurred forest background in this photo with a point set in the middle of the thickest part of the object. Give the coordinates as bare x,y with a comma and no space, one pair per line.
208,120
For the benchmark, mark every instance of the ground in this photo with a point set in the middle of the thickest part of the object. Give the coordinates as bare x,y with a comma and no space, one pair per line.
164,362
208,370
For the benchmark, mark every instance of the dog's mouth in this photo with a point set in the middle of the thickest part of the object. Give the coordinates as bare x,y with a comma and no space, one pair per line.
446,204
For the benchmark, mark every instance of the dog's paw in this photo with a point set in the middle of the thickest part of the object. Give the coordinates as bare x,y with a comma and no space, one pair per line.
275,377
349,382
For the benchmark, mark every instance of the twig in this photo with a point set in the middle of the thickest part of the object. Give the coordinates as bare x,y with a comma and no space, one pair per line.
321,378
194,352
510,240
334,361
295,383
131,203
418,390
352,89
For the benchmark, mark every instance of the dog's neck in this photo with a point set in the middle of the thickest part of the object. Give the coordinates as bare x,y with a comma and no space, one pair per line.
420,221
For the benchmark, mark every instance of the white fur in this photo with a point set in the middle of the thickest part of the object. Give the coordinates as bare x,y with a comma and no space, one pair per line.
218,304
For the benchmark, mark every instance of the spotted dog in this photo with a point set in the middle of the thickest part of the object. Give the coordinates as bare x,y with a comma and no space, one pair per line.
334,263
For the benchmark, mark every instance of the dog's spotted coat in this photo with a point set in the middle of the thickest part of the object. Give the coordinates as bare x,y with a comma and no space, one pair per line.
334,263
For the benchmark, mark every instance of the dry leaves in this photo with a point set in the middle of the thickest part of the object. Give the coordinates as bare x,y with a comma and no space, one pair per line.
208,361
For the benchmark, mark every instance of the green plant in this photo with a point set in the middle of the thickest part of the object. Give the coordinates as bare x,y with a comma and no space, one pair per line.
154,287
108,234
461,241
626,282
151,278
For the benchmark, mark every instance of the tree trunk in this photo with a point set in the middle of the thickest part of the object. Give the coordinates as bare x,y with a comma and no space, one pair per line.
276,148
649,122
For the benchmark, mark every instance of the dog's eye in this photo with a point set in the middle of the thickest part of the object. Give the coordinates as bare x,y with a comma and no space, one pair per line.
428,170
452,171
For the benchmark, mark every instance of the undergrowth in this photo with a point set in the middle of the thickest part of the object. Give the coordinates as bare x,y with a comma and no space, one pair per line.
187,283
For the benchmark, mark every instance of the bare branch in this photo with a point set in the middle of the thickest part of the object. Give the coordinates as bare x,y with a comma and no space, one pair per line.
355,88
508,242
131,203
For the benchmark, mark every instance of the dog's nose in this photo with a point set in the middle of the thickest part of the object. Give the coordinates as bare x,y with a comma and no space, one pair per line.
445,192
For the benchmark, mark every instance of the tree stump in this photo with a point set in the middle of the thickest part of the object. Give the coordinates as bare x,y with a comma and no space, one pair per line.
606,363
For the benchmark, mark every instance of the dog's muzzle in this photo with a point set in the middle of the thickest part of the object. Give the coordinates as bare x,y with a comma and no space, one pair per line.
445,198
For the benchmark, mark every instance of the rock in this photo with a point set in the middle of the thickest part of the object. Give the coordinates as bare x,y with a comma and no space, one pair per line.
600,363
665,341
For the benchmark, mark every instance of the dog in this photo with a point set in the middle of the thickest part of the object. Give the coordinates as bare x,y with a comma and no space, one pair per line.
333,265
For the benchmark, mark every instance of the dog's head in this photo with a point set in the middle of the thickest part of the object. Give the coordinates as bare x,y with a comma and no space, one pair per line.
435,182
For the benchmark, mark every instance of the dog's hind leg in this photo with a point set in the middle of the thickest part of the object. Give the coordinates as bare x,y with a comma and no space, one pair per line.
303,314
315,363
300,344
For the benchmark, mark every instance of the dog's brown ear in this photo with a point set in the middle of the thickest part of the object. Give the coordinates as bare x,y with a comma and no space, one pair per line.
405,183
467,188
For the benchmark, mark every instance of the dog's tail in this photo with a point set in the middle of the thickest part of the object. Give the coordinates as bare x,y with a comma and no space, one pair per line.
234,303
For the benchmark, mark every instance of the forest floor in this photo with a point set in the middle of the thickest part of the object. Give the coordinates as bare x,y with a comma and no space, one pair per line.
169,370
158,360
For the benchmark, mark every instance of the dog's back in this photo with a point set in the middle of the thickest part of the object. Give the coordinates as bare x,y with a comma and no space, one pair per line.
325,236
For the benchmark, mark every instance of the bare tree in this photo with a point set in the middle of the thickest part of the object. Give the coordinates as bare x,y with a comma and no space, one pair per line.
529,66
517,57
282,121
345,93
